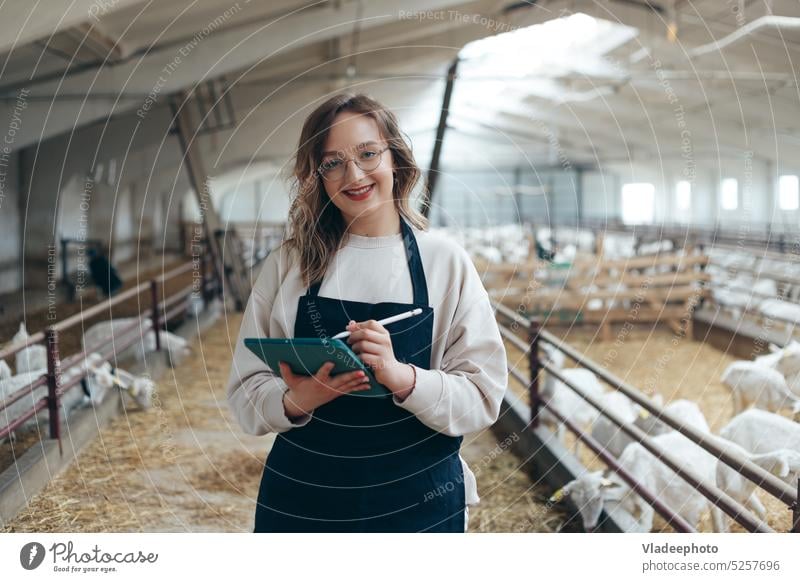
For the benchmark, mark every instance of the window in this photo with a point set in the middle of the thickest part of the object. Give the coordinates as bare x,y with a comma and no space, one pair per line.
788,198
730,194
638,203
683,195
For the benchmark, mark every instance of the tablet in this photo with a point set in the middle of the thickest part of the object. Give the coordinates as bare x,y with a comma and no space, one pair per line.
306,355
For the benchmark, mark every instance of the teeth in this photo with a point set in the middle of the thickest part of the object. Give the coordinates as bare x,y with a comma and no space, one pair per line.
358,191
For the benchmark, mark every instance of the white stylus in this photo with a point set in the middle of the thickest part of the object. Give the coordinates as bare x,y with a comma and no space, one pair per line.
386,321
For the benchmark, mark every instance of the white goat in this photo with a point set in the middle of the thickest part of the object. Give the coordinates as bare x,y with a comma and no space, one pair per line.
98,378
754,383
140,388
759,431
98,381
615,440
589,493
785,311
5,370
783,463
31,358
566,400
110,331
785,360
655,476
608,434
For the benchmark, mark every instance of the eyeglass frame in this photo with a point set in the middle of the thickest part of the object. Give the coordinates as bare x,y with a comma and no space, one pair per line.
353,159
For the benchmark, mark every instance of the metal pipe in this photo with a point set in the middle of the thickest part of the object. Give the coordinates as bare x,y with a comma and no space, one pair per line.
433,172
53,380
535,368
154,312
740,33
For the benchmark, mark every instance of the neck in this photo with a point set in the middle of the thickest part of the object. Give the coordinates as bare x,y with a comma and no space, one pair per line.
375,224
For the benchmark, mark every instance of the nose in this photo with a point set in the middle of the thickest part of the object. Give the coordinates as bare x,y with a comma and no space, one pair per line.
352,173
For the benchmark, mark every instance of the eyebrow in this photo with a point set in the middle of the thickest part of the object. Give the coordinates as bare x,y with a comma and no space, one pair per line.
358,146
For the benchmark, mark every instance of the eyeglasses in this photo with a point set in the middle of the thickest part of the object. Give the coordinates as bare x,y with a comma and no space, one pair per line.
368,160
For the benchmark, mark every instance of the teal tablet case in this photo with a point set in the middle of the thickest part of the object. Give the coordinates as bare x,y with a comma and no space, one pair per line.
306,355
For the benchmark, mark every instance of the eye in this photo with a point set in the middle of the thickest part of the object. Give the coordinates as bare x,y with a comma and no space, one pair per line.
366,155
330,164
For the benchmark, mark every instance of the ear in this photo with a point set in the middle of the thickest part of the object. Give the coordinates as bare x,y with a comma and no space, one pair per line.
781,469
773,348
608,484
644,414
559,495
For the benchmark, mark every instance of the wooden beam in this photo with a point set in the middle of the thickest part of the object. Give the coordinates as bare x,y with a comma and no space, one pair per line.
231,264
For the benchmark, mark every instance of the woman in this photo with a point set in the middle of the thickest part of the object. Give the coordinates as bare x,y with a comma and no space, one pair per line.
357,252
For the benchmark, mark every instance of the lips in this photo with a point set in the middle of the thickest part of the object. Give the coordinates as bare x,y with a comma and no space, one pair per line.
359,193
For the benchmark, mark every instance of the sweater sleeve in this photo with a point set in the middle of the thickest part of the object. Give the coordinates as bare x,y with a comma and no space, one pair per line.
255,392
465,394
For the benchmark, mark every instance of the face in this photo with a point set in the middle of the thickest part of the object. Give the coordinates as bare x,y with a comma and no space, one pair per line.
587,496
358,193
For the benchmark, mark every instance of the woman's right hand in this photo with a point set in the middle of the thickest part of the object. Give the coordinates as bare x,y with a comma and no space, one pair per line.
308,392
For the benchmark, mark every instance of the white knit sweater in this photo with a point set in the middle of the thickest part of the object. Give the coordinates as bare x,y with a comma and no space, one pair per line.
462,391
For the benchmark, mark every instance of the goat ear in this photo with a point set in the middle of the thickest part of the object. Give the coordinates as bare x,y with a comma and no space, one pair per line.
644,414
558,495
608,483
782,468
773,348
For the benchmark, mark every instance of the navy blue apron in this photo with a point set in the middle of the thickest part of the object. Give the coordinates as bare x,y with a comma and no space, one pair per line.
364,464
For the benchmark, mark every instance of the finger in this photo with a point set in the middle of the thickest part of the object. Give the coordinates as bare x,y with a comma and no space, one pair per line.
344,387
286,372
365,334
373,325
354,384
368,347
343,378
323,374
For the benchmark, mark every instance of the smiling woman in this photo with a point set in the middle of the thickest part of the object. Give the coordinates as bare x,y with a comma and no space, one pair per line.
357,252
367,196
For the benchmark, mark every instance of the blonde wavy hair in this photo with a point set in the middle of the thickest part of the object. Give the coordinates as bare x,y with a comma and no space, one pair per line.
316,228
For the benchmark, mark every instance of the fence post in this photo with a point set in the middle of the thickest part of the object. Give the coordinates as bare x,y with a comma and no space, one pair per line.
154,315
535,367
53,382
796,511
203,274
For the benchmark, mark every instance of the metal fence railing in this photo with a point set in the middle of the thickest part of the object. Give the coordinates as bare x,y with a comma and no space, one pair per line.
158,314
763,479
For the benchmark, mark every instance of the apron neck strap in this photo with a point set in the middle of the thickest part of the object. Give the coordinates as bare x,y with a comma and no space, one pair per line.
418,281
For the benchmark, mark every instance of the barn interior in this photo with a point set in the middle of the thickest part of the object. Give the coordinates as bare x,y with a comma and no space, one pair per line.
623,175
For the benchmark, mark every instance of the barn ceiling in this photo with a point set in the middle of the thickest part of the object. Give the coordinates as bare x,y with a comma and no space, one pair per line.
537,82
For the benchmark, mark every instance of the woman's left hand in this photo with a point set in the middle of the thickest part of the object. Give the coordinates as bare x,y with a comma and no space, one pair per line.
372,343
